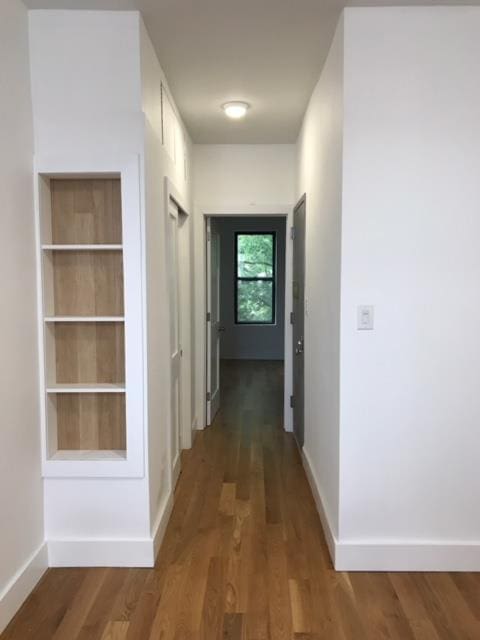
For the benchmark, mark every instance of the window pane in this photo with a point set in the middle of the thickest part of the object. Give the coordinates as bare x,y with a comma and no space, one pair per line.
255,256
255,301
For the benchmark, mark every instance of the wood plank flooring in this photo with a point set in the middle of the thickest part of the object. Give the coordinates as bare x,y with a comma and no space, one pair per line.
244,556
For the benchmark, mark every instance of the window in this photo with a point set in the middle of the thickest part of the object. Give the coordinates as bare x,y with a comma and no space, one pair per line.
255,278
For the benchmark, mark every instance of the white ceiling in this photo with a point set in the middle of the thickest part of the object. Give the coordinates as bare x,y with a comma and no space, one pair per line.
266,52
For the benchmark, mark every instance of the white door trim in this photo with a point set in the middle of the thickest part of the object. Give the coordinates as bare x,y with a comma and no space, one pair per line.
205,211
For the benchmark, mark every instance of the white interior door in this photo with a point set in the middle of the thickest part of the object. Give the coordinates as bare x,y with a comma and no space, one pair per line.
175,347
213,320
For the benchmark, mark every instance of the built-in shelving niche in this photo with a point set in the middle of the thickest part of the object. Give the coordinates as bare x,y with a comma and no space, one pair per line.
83,314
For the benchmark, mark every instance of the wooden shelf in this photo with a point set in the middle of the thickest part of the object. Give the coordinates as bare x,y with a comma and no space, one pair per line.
82,247
86,388
83,283
88,420
83,303
84,211
84,319
86,454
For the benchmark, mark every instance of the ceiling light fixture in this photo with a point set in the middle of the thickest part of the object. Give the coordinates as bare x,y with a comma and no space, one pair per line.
235,110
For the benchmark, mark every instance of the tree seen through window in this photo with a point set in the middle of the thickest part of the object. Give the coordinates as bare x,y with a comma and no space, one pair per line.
255,278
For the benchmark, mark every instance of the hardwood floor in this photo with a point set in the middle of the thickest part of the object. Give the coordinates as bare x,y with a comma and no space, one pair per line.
244,556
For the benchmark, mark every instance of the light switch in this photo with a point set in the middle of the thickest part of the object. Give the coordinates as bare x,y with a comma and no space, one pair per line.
364,317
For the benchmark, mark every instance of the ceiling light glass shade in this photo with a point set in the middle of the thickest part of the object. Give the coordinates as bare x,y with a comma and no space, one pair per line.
235,110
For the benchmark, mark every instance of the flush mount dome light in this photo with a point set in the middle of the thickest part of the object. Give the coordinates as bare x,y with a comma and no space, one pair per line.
235,110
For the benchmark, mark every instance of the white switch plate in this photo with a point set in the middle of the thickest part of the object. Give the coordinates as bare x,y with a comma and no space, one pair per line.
364,317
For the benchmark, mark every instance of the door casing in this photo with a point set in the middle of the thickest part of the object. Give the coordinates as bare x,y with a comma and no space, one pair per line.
277,210
213,321
181,367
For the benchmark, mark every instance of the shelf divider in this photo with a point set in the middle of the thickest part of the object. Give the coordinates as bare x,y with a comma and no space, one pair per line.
88,454
84,319
82,247
86,388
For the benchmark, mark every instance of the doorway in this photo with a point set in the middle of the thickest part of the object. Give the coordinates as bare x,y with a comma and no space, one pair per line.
245,297
179,274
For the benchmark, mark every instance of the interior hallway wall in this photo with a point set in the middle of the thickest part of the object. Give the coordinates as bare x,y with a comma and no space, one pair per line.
250,342
176,164
320,177
22,552
410,407
389,159
76,55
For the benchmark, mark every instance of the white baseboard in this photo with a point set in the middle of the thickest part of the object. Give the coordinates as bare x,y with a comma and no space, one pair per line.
391,555
320,504
134,552
407,556
177,466
22,583
195,430
161,522
99,552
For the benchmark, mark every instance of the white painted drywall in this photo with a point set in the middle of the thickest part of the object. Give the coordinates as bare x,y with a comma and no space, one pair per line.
256,341
21,492
410,407
96,90
233,180
86,81
320,177
87,101
158,164
243,174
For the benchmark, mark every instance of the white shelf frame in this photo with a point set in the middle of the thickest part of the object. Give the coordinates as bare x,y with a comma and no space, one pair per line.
86,455
84,319
86,388
98,463
82,247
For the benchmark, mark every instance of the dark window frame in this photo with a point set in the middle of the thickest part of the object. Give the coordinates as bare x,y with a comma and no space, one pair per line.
272,279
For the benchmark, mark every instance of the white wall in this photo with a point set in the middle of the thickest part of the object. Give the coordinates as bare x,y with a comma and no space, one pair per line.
320,177
410,407
86,82
254,341
87,102
108,55
236,180
158,164
243,174
21,493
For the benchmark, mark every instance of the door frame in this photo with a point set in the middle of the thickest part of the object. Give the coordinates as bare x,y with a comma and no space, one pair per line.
171,194
243,211
214,399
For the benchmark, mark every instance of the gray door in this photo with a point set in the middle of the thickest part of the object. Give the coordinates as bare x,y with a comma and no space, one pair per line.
298,319
213,320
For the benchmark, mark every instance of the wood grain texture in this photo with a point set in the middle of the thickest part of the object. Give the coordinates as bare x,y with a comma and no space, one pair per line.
244,556
91,421
86,211
88,283
89,352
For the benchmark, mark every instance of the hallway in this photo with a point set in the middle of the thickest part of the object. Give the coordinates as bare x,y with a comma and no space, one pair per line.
244,555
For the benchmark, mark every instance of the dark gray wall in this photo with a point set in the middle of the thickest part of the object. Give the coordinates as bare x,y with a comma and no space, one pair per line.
250,342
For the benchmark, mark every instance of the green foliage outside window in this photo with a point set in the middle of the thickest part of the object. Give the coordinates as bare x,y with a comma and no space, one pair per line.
255,278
